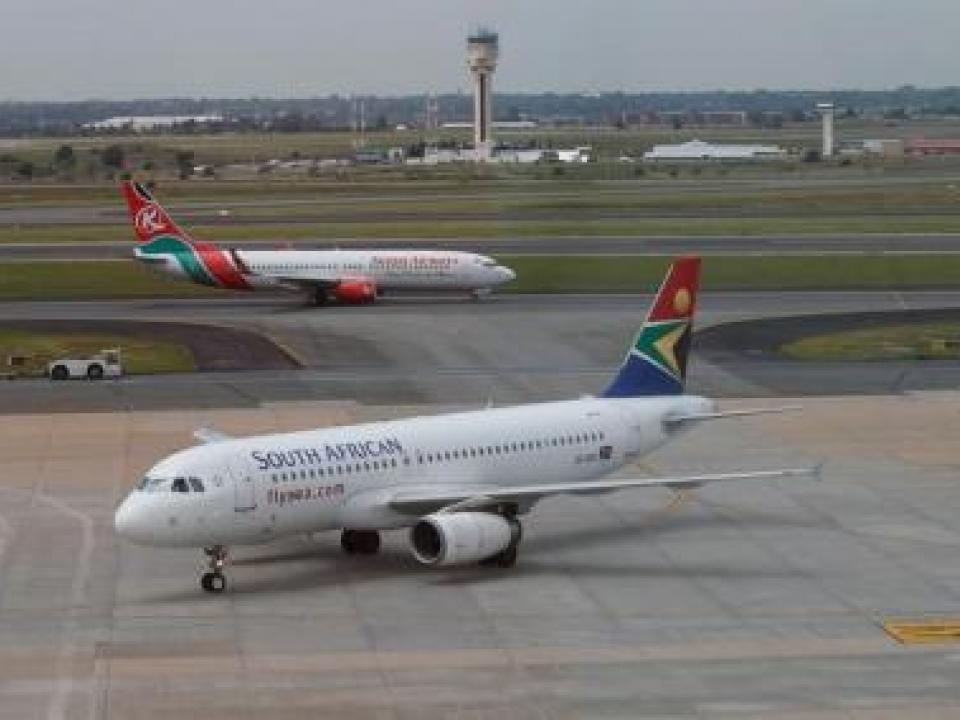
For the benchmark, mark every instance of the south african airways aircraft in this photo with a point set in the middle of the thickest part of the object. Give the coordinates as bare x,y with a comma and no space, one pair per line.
459,482
346,276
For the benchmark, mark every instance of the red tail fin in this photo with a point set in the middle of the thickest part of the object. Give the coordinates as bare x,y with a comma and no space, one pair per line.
149,219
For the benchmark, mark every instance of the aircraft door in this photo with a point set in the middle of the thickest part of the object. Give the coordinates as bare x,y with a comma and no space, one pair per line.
244,488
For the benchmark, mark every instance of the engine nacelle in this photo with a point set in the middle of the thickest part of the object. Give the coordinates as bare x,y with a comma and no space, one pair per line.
461,537
356,291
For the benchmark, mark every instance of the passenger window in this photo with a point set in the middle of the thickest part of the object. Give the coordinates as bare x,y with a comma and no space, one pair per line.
196,484
446,455
180,485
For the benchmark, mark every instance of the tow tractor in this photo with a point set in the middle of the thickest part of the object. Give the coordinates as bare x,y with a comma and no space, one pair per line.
105,364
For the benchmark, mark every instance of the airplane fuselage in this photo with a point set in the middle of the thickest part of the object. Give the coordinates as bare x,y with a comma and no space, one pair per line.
389,270
260,488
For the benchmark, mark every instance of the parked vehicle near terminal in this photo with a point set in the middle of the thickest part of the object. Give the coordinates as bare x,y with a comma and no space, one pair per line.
105,364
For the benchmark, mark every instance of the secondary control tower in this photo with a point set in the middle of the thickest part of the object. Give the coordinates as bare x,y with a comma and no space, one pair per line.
483,49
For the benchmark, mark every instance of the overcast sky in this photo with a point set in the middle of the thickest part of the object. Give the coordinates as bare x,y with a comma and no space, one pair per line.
74,49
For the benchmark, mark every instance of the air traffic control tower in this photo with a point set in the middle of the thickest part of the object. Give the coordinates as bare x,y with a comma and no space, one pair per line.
483,49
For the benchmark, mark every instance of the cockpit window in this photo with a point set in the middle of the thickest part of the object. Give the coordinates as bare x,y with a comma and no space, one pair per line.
151,484
180,485
196,483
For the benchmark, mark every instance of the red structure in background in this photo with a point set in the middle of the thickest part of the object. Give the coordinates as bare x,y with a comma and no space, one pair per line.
921,146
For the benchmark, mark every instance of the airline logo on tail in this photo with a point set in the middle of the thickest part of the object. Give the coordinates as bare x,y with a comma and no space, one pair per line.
149,221
657,361
159,236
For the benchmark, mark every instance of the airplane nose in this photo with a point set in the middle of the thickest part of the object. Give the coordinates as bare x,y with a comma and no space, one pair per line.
506,274
128,522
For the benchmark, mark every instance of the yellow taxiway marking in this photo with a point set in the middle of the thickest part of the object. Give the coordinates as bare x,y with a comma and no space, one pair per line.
913,632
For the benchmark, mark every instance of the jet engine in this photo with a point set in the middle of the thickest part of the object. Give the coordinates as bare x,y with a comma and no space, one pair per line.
462,537
356,291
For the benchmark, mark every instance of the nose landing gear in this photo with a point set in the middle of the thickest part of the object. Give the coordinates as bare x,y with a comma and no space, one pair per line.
214,581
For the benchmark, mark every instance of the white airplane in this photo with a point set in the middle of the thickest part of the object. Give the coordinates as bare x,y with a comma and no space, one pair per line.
347,276
459,481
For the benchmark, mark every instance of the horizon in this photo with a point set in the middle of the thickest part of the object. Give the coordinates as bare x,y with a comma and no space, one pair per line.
460,92
63,50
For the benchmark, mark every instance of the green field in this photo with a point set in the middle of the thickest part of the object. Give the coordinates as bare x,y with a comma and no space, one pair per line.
76,280
551,274
926,341
139,355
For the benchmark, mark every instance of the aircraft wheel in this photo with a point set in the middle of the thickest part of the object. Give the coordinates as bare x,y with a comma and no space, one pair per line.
508,558
368,542
360,542
348,541
213,582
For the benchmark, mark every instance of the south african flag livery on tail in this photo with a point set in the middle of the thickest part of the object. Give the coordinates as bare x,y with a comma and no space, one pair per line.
656,363
163,242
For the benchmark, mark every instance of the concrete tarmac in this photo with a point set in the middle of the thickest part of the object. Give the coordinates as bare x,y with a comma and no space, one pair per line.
736,601
506,349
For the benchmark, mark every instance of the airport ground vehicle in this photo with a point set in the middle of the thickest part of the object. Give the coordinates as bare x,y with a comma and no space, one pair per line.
105,364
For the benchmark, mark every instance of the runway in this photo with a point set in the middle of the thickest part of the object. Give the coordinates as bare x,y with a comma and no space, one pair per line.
507,349
119,245
760,601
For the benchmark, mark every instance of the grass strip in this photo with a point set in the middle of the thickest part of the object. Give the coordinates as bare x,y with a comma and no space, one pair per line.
64,280
557,274
139,355
492,227
536,274
927,341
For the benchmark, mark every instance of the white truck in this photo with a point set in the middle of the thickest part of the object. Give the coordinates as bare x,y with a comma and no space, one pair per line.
105,364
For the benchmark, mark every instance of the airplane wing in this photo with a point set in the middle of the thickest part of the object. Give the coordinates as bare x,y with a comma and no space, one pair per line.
447,499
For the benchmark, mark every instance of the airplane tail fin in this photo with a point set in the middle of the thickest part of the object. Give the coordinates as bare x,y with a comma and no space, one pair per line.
149,219
161,239
656,363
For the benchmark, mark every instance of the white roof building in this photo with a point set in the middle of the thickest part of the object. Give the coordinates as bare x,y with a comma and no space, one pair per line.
150,122
699,150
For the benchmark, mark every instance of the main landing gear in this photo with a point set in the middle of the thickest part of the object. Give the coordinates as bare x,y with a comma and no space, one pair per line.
360,542
319,297
214,581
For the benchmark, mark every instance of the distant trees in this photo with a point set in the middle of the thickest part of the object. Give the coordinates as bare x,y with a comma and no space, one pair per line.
64,159
185,162
113,157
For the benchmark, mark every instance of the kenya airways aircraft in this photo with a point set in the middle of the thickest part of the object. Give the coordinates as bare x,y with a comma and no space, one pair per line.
347,276
458,481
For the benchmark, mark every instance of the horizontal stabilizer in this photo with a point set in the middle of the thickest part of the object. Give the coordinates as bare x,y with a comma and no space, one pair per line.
677,420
